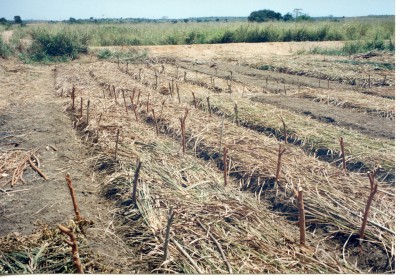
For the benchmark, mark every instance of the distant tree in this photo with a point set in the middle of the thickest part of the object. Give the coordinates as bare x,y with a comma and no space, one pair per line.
264,15
217,20
174,21
199,20
17,19
303,17
288,17
3,21
186,20
72,20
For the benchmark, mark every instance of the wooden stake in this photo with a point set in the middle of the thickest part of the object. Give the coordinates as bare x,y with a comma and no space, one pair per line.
373,190
74,245
225,167
81,107
126,106
183,129
236,114
78,216
209,105
221,134
135,181
116,145
73,97
177,92
279,163
87,111
184,76
284,129
302,219
343,155
194,100
155,120
166,241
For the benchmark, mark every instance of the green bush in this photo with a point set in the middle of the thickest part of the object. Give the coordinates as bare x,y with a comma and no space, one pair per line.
5,49
104,54
60,46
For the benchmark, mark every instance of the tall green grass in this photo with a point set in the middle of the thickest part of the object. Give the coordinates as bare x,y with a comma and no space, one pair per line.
5,49
231,32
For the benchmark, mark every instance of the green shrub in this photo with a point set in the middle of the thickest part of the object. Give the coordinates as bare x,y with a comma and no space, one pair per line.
5,49
104,54
60,46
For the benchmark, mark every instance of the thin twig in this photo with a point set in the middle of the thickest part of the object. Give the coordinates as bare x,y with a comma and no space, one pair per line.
73,197
166,242
74,245
221,251
180,248
135,181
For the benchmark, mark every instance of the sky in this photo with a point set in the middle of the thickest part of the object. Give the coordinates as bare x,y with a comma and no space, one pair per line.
154,9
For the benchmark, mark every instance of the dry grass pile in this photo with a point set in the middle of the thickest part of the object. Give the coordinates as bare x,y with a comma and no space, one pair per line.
331,197
45,252
316,137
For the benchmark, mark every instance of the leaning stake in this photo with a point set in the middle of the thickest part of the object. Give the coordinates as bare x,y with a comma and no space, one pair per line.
166,242
135,180
373,190
73,197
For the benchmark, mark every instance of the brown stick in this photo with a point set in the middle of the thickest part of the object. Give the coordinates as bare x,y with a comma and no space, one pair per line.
73,97
81,107
87,111
155,121
116,145
343,155
73,197
373,190
135,180
166,242
284,129
209,105
183,129
74,245
221,251
177,92
236,114
123,95
302,219
279,163
37,169
194,100
225,168
138,97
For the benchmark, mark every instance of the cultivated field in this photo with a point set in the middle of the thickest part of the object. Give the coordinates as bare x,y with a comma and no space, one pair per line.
213,145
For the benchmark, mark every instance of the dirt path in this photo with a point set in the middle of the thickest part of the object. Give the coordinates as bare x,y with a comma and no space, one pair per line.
31,117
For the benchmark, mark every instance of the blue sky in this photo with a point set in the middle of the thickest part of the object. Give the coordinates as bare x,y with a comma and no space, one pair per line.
64,9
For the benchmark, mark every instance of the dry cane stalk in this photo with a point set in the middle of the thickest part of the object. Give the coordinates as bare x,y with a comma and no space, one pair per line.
166,242
36,169
81,107
155,121
73,97
135,180
284,129
73,197
343,155
183,129
279,163
236,114
209,105
225,167
221,251
302,219
116,145
177,92
138,97
374,189
74,245
194,100
87,111
126,107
